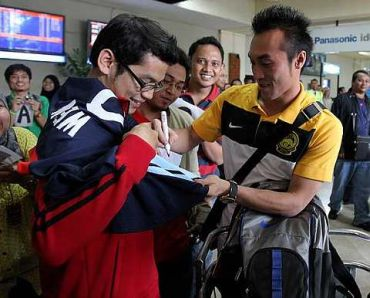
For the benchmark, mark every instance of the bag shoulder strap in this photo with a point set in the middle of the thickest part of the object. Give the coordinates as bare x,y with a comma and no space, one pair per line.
305,115
214,215
308,113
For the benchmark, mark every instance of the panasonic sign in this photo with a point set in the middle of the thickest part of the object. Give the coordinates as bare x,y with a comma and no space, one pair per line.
342,38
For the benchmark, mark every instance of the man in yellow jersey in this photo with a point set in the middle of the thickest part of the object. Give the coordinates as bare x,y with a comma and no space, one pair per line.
245,115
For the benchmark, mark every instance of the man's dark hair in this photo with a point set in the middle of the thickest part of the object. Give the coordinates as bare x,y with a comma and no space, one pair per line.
249,78
17,67
184,61
341,89
292,22
314,80
130,37
207,40
357,72
235,81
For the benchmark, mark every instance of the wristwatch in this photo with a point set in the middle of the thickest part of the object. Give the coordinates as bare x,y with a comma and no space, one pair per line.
231,196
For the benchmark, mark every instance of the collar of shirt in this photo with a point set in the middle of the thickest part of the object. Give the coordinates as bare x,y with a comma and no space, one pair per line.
290,113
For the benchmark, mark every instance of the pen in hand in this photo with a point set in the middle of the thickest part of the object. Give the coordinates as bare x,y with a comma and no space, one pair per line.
165,131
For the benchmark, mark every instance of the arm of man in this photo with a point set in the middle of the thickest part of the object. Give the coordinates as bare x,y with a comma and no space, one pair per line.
213,151
182,140
300,192
205,128
63,228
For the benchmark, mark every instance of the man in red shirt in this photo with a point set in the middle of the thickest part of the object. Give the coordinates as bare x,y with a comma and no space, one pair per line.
207,63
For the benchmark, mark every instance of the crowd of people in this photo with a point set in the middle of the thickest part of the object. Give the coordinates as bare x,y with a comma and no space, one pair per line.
81,148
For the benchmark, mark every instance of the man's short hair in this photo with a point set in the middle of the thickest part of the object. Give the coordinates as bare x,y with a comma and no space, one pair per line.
292,22
17,67
314,80
130,38
341,89
249,78
184,61
357,72
207,40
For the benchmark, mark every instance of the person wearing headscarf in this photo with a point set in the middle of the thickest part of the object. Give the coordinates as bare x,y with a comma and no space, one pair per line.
15,203
50,85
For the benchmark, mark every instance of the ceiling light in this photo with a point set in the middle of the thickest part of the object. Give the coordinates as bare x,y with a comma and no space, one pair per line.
364,53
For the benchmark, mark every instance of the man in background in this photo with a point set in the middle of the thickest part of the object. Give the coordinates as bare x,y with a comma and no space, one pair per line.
207,63
27,109
172,241
353,110
249,79
315,90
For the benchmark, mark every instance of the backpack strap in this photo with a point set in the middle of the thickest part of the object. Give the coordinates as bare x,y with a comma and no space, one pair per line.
214,216
342,274
308,112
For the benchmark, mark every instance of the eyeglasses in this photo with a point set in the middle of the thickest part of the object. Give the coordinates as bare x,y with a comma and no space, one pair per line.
144,87
168,82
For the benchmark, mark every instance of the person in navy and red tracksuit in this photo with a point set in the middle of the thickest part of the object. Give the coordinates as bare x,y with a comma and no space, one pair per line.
87,165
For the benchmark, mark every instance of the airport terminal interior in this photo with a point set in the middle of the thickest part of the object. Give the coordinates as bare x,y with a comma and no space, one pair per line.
341,35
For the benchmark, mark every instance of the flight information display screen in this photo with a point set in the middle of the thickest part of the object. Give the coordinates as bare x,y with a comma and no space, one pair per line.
31,32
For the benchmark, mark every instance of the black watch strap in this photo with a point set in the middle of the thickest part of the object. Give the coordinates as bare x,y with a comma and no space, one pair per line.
233,191
230,197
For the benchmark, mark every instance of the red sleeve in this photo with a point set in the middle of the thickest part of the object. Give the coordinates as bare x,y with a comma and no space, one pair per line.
62,230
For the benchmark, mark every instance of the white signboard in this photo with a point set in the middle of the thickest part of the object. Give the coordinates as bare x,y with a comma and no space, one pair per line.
342,38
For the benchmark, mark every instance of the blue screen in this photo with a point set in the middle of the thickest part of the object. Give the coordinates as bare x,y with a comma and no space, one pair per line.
30,31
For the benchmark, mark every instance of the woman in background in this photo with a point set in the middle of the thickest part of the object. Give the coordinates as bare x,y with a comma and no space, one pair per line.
17,258
50,85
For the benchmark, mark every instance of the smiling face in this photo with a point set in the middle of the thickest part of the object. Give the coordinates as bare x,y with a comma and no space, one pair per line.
48,85
275,75
151,70
19,81
174,82
206,65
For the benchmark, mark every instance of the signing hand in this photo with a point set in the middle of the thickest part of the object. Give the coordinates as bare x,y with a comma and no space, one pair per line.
157,126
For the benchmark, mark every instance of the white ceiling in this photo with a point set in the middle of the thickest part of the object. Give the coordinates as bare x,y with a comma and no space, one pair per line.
176,13
173,12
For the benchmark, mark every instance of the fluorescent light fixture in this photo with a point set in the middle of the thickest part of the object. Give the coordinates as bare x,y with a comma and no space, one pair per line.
364,53
32,57
329,68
